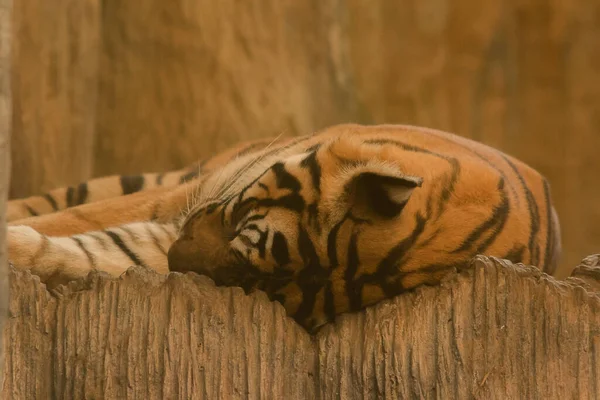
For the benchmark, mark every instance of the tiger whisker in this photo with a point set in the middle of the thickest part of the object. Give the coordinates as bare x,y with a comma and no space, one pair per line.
219,189
248,166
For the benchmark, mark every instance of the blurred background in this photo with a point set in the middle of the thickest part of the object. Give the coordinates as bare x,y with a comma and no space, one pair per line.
114,86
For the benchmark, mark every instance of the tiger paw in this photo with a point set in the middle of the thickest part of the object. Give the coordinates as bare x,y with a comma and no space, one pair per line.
23,243
29,250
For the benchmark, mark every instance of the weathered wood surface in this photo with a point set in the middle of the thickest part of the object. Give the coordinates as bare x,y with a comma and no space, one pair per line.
494,330
131,86
5,132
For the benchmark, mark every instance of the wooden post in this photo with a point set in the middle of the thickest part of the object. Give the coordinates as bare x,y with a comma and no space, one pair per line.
495,330
5,129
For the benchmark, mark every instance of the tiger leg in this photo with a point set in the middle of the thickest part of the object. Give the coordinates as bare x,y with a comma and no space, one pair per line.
161,204
96,190
57,260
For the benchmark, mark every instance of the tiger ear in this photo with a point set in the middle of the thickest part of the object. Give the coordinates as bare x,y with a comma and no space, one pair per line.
379,193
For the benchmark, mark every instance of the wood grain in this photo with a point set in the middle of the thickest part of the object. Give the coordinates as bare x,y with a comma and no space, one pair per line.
494,330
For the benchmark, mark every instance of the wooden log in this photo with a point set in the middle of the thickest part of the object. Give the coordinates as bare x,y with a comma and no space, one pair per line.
493,330
5,133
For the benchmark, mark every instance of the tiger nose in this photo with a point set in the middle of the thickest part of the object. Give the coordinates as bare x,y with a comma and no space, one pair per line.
181,254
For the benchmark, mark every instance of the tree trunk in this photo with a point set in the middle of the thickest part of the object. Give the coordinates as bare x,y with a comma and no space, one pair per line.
5,131
494,330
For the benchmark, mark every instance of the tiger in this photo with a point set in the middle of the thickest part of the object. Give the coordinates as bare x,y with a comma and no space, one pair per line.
326,224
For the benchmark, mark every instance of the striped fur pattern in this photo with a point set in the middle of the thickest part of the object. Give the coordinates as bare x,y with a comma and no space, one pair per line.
324,224
96,190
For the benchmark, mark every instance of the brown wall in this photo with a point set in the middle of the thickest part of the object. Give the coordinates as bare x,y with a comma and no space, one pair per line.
122,86
5,131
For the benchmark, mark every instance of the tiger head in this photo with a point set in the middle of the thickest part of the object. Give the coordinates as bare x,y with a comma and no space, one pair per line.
309,229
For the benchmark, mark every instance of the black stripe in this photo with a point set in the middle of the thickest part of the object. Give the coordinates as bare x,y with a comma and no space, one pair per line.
155,239
193,174
515,255
275,281
89,255
70,200
549,226
245,240
121,245
313,216
395,287
98,238
224,206
264,187
74,199
262,243
252,227
132,235
251,184
431,238
255,217
279,249
449,186
293,202
131,183
430,269
51,200
30,210
82,193
391,263
332,243
329,304
483,158
263,156
501,214
534,217
314,170
494,223
353,290
347,162
284,179
311,278
212,207
159,179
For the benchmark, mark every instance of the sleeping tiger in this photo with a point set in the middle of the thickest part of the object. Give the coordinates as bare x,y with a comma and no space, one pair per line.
325,224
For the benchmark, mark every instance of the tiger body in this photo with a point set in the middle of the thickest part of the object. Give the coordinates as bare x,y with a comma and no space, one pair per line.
325,224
